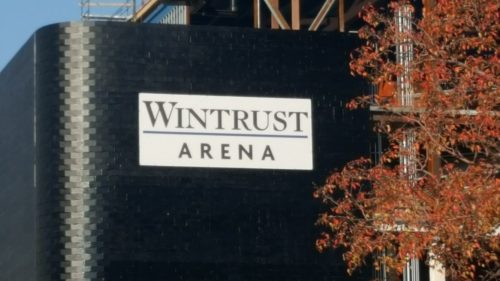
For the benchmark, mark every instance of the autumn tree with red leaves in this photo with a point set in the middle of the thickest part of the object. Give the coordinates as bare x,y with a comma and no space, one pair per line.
435,189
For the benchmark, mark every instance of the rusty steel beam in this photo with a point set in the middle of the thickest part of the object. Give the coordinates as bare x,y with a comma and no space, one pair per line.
256,14
350,14
188,15
321,15
295,14
145,10
341,16
275,12
274,22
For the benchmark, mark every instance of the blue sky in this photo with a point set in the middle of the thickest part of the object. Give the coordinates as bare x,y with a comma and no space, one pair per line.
20,18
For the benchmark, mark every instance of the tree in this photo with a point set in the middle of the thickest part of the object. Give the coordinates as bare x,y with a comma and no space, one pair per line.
435,190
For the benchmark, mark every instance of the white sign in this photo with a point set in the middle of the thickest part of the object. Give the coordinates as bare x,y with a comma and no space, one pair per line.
225,132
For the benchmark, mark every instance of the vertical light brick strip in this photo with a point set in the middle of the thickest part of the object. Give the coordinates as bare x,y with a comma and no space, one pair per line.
79,255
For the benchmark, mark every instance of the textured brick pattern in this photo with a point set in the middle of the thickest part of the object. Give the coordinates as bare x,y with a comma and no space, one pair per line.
100,216
79,225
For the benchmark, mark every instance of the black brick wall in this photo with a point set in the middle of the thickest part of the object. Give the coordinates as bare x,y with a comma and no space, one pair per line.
100,216
17,192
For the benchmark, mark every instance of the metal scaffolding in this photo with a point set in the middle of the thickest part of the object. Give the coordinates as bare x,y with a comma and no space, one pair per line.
313,15
408,153
106,10
404,54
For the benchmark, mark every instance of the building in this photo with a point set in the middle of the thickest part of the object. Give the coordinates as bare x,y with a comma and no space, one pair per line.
88,191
